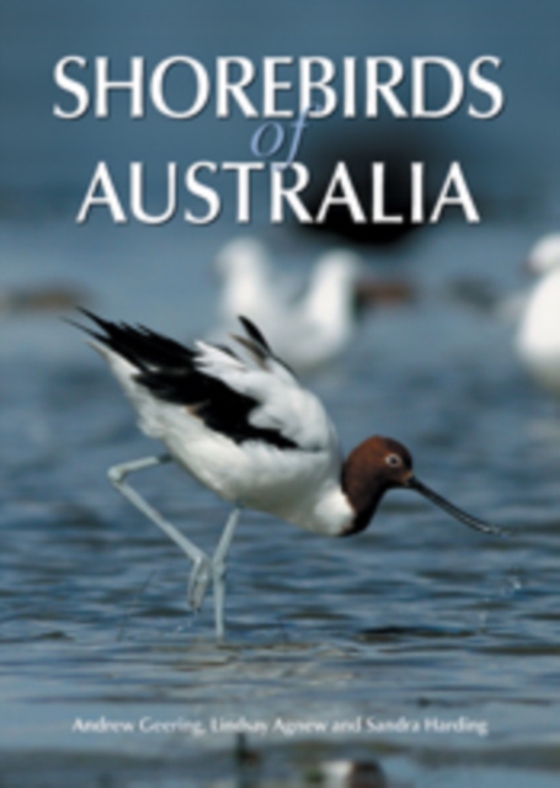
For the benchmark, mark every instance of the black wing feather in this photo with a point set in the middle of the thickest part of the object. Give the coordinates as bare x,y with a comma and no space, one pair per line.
167,369
255,334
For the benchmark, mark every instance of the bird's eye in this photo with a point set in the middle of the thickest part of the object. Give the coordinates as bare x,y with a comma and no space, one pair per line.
393,460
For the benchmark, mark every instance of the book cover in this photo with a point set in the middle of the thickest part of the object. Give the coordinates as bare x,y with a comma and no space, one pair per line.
175,165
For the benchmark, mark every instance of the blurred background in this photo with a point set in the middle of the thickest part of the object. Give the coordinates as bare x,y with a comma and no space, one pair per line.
415,617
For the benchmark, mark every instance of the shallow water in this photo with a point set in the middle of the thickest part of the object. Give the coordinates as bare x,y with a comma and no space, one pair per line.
390,635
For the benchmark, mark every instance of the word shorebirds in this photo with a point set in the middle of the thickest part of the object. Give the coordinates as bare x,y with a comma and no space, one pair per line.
538,338
240,423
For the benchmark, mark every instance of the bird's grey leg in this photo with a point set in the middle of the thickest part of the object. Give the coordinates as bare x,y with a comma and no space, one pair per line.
219,569
203,568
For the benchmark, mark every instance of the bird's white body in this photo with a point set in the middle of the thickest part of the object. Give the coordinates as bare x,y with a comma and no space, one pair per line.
307,332
301,485
538,338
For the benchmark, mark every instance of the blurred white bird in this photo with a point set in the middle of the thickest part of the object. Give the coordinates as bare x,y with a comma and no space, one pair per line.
308,331
538,339
247,278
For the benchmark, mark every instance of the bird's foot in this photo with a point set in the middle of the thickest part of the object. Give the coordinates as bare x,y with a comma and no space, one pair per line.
200,577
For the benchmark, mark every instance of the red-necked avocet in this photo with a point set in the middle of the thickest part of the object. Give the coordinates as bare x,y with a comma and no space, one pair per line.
239,421
538,338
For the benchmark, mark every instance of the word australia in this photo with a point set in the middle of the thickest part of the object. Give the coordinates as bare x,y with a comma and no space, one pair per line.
196,194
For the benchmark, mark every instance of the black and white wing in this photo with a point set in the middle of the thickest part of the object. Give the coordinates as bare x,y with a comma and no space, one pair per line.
243,393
